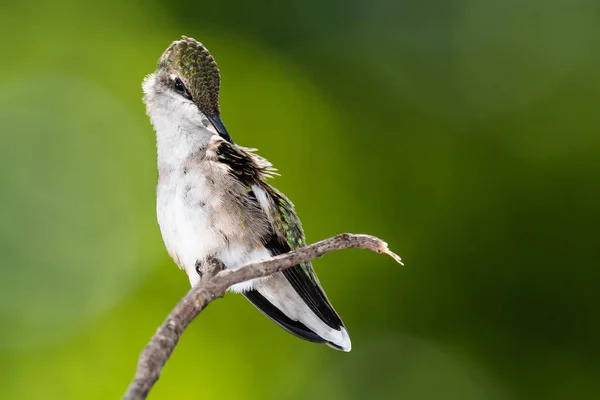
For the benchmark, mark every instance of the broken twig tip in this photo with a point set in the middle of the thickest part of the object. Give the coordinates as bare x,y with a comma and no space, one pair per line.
395,256
385,250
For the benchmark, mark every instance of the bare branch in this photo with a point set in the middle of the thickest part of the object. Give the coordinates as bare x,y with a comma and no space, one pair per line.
215,282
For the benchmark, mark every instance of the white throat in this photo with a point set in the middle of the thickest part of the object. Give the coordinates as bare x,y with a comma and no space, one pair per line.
175,141
181,129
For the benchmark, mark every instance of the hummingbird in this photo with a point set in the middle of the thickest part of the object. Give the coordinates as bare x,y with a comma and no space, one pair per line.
214,201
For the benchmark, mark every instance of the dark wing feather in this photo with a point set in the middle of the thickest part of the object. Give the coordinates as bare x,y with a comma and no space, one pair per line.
246,166
286,235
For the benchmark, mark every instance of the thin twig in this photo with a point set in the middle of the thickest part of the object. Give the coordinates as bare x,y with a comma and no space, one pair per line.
215,282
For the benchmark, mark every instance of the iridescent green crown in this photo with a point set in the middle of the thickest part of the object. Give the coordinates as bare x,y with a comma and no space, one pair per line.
194,63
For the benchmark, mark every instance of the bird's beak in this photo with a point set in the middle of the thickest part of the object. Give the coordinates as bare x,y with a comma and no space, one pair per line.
216,121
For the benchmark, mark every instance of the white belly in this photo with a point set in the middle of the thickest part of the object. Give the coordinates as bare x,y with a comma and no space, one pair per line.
186,229
195,225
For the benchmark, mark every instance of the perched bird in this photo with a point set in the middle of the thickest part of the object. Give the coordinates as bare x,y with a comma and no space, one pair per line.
213,199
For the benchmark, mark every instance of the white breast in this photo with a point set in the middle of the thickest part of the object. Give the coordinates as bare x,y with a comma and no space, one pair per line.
197,221
184,217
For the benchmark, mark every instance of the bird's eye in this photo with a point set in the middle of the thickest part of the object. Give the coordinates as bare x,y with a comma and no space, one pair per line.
178,86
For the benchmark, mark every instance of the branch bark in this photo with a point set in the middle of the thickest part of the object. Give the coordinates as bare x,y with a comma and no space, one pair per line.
215,282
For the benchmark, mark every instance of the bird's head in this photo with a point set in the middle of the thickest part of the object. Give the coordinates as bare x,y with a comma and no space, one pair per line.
185,88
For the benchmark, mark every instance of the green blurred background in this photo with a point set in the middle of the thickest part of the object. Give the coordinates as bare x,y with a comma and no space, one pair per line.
464,132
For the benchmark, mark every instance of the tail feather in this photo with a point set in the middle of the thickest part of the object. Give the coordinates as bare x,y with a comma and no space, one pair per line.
278,299
294,327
